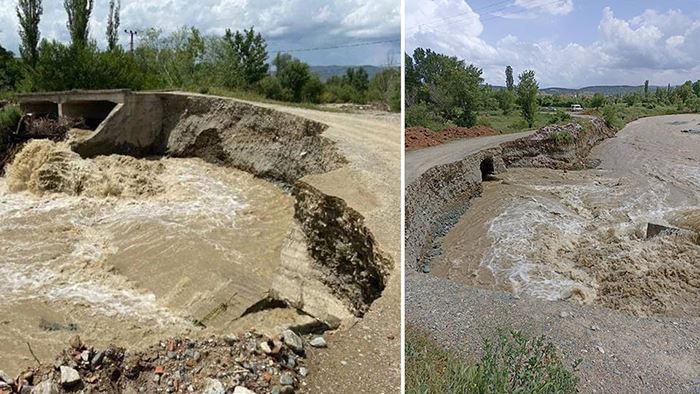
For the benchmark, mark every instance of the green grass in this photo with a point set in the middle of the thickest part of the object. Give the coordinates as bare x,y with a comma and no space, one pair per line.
514,122
512,363
624,114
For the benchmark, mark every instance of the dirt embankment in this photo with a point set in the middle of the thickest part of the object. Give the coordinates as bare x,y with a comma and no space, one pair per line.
440,196
421,137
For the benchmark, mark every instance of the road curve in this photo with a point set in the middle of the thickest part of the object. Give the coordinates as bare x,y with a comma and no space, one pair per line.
420,161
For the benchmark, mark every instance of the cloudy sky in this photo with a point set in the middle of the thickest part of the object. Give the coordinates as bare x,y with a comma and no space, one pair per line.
569,43
286,24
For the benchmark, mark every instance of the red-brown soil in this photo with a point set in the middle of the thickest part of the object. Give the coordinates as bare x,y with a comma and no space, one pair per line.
421,137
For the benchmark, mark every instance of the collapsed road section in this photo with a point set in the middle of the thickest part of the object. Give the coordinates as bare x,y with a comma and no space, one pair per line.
167,207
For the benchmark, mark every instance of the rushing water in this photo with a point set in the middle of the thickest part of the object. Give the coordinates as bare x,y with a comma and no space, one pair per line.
128,251
581,235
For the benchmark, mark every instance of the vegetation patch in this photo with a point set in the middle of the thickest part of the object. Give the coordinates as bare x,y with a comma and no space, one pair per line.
511,363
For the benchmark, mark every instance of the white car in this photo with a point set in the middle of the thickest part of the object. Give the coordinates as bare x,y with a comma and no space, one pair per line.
576,108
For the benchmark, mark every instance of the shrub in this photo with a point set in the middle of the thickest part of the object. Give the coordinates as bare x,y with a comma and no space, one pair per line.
562,138
9,118
271,88
610,116
312,90
513,363
419,115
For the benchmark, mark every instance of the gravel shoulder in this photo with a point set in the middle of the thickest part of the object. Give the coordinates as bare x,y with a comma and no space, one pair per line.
621,353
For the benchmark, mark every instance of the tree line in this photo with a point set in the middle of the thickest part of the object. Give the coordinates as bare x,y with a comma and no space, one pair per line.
184,59
443,89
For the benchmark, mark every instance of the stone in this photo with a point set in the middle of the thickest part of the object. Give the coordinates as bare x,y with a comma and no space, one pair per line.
69,376
26,390
214,387
564,314
287,390
97,360
293,340
242,390
4,377
303,371
230,340
265,347
45,387
318,342
286,379
75,342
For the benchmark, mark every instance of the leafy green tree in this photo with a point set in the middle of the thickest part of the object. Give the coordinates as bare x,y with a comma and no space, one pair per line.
412,81
79,12
527,96
357,78
113,24
10,70
506,99
448,86
312,91
696,88
646,88
510,83
250,50
29,14
598,100
385,86
293,74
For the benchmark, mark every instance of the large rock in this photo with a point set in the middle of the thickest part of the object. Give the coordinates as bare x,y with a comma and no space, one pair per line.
69,376
214,387
293,340
45,387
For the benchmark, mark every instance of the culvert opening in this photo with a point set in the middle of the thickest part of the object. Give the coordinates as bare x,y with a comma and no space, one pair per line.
488,171
92,112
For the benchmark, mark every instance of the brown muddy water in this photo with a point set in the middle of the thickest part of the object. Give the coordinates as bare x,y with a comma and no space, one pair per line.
128,251
580,235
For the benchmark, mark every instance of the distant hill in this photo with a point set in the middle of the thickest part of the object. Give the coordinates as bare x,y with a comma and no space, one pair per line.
608,90
325,72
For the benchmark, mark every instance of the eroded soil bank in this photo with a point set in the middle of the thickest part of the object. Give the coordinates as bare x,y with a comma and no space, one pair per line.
581,235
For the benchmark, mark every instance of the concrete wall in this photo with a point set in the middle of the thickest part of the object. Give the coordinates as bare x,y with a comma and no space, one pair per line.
133,128
437,200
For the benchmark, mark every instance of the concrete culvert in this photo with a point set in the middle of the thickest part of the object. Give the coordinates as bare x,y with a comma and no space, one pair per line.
93,112
487,168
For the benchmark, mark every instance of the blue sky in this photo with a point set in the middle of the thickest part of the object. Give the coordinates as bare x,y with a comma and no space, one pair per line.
287,24
569,43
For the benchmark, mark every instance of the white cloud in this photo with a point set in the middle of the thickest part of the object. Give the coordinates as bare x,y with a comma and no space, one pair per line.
663,47
285,23
561,7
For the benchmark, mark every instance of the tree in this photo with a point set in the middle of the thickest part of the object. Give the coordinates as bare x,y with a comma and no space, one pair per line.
448,87
527,95
29,14
293,74
357,78
506,100
509,78
250,50
113,24
79,12
598,100
646,88
10,71
696,88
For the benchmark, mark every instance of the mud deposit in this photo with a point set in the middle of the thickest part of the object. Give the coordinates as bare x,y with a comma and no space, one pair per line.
580,235
127,251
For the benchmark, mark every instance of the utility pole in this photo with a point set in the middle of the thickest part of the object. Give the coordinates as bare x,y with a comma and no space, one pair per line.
132,33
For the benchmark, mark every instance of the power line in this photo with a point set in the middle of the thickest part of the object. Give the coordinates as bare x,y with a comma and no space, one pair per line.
359,44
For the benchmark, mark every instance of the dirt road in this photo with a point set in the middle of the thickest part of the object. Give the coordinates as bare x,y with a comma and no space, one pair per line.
419,161
367,357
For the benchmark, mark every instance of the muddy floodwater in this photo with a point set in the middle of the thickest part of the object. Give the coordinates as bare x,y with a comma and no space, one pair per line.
127,251
581,235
